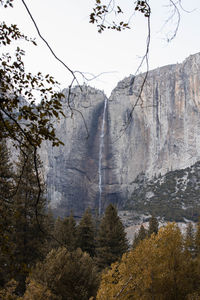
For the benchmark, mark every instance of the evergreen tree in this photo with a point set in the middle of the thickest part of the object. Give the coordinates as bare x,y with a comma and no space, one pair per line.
153,226
141,235
111,239
135,240
6,173
58,233
48,225
197,239
86,233
189,245
65,232
29,217
6,228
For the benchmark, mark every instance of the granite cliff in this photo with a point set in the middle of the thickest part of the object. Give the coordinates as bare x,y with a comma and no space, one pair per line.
163,135
71,170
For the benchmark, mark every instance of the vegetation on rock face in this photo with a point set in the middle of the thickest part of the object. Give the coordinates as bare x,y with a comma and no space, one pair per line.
173,196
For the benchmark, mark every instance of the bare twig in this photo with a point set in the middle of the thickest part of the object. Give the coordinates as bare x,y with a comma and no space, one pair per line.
74,77
175,15
185,10
124,287
175,12
93,76
83,121
45,41
144,58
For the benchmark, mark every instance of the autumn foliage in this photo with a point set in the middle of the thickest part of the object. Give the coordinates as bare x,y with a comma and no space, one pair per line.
158,268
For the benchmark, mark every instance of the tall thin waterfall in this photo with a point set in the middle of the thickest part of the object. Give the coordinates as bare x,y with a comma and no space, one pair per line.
101,146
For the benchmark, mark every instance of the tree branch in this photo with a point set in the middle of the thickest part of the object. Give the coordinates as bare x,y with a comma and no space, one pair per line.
145,59
45,41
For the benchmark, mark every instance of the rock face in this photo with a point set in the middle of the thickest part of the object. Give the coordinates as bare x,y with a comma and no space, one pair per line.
173,196
164,132
163,135
72,170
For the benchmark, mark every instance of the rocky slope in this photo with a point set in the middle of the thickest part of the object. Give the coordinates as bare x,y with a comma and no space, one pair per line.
163,135
173,196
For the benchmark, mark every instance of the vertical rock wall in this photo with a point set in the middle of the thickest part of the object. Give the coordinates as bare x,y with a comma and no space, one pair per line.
163,135
71,170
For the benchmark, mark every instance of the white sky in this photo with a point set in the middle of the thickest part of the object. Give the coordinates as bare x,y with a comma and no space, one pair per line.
65,25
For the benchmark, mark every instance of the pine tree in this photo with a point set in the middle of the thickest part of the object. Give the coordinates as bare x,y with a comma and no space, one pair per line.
29,217
86,233
197,239
6,173
6,228
189,244
135,241
65,232
111,239
140,236
153,226
48,225
58,233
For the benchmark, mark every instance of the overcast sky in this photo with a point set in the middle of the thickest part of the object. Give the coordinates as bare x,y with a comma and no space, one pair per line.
65,25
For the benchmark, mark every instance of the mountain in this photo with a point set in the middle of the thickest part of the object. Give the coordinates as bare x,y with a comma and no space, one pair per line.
173,197
163,136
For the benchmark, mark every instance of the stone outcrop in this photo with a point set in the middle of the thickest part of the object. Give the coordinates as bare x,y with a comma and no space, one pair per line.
164,132
163,135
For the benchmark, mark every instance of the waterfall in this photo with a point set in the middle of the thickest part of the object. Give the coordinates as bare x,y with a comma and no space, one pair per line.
101,146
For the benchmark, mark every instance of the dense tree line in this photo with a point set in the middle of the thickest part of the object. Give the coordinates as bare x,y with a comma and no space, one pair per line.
21,243
46,258
61,259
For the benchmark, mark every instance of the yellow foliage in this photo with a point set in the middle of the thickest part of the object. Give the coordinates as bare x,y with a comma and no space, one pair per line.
37,291
155,269
8,292
193,296
34,291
